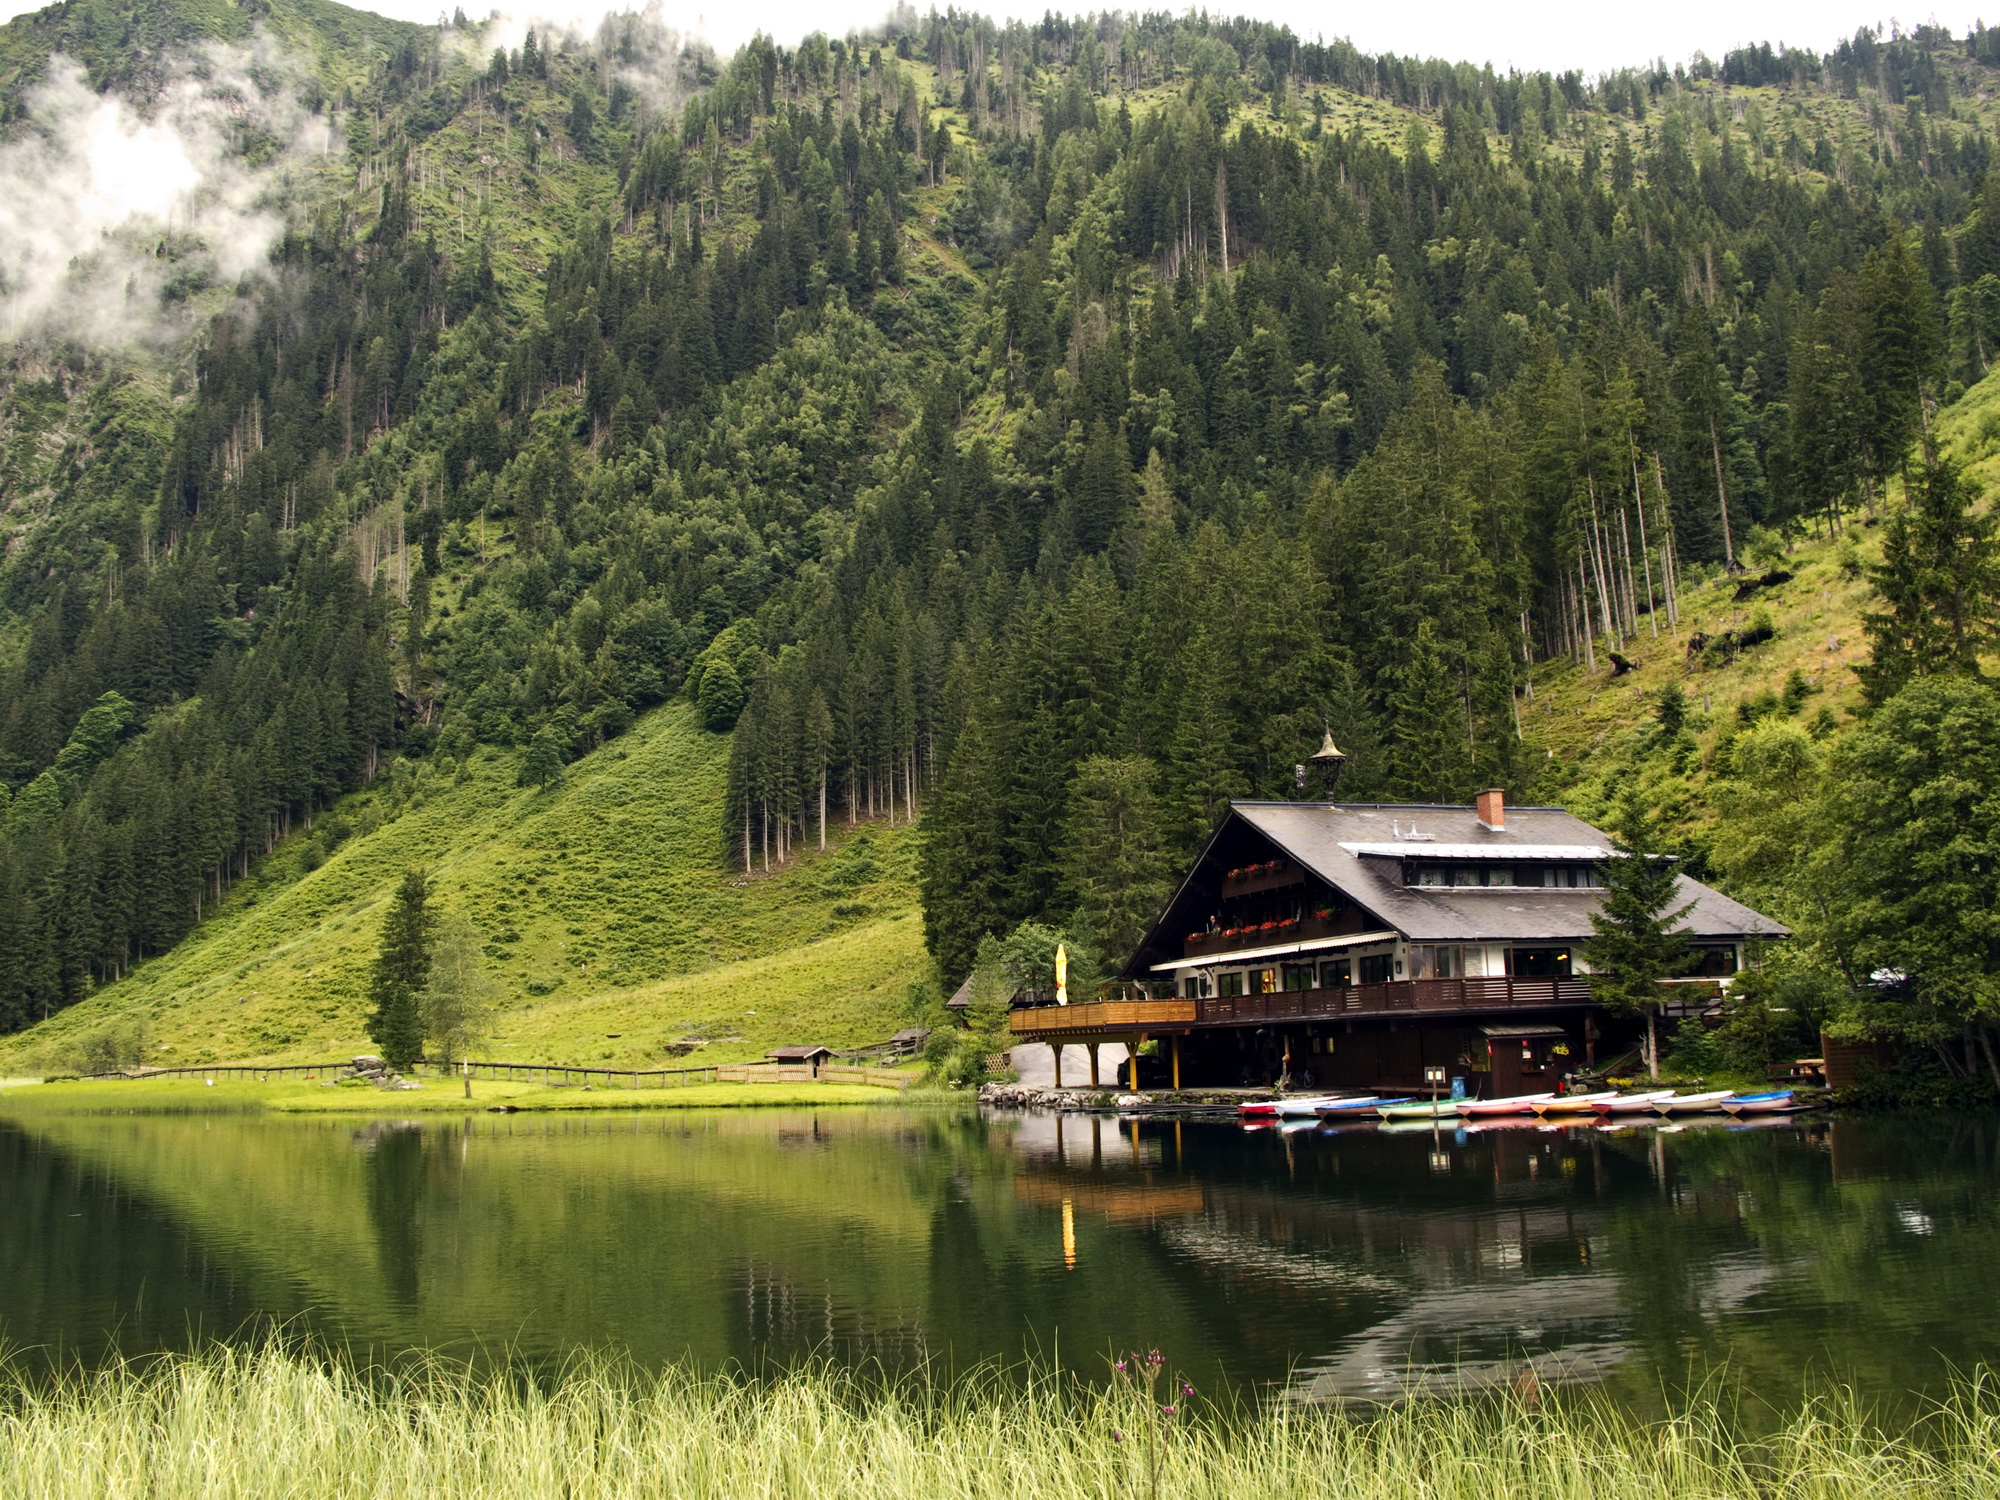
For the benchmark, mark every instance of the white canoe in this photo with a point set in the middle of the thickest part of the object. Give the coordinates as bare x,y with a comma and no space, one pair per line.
1523,1104
1631,1104
1564,1104
1691,1104
1284,1109
1776,1102
1442,1109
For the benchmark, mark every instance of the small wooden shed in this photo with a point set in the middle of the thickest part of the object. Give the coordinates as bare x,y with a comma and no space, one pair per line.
814,1058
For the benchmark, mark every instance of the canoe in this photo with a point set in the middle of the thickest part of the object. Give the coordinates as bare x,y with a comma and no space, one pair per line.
1774,1103
1367,1106
1419,1109
1283,1109
1631,1104
1690,1104
1521,1105
1564,1104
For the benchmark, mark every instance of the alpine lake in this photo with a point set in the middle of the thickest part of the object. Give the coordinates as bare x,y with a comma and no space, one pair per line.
1313,1264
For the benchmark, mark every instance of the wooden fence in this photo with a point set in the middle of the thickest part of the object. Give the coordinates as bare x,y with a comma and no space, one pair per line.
552,1073
803,1073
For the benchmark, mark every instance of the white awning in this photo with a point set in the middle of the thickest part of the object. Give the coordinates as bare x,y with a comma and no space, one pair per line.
1243,955
1420,849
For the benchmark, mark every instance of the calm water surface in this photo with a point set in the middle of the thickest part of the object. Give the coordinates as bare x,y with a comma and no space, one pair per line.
1310,1264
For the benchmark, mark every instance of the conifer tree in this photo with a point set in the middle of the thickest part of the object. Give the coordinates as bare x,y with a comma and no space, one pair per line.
1427,743
1638,940
402,972
1939,585
1114,857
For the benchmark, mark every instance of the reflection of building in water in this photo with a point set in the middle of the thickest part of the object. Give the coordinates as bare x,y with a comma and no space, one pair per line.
1370,1263
1567,1329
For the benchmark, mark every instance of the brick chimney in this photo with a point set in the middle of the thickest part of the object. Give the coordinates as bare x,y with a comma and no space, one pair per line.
1493,810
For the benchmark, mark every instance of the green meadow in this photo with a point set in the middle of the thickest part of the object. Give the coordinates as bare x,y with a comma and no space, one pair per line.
612,920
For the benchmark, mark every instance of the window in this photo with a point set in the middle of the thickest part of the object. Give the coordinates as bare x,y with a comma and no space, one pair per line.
1263,981
1713,963
1436,961
1376,967
1429,875
1336,973
1499,874
1539,963
1465,875
1300,977
1572,877
1229,982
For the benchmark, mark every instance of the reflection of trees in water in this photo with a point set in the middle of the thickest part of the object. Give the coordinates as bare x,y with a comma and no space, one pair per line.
395,1152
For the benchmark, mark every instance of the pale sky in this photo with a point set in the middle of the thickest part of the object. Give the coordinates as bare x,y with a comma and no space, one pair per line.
1593,36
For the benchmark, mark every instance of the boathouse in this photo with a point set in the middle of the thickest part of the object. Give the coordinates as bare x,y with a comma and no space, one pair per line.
1384,946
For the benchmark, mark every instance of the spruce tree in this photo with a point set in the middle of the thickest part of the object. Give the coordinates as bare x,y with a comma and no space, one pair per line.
1427,744
1114,858
402,972
1638,940
1939,585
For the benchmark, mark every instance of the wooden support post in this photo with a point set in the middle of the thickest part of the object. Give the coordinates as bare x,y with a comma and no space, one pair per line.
1175,1044
1133,1064
1055,1050
1093,1063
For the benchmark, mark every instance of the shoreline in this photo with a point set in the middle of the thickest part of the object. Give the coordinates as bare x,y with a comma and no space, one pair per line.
440,1098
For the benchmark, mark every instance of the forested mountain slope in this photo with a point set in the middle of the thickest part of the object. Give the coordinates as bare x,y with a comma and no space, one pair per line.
1044,430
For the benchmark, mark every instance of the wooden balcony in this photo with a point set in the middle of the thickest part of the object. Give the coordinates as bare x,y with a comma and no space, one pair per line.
1408,997
1400,997
1277,875
1102,1016
1304,930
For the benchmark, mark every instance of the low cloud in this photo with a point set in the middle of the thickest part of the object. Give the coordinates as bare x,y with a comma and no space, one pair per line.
115,215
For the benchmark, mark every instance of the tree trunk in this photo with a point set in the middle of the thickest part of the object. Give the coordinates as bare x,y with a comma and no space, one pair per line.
1722,497
1653,1044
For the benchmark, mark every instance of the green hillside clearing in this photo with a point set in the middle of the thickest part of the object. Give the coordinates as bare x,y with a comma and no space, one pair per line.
609,917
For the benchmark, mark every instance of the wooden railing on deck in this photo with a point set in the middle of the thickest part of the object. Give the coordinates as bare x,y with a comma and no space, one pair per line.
1403,996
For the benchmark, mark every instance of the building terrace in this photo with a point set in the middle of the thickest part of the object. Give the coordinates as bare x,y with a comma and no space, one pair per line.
1370,944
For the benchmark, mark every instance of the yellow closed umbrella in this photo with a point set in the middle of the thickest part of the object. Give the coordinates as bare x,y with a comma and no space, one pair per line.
1062,975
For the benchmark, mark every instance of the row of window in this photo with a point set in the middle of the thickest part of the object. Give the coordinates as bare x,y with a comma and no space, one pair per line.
1426,961
1514,877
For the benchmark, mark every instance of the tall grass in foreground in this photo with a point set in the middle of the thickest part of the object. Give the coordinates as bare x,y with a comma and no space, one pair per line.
278,1423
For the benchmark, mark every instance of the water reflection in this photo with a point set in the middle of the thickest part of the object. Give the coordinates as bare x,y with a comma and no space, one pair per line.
1358,1263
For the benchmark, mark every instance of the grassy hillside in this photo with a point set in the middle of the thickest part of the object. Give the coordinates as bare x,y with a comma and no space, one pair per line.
1596,727
610,920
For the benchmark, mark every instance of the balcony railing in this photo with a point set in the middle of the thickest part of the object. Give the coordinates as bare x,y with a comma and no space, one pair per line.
1300,930
1102,1015
1402,997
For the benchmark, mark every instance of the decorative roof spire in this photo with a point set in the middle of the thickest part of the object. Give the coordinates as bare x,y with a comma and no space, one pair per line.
1331,762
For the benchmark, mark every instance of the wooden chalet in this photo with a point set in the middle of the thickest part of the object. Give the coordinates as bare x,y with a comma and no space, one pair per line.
1383,946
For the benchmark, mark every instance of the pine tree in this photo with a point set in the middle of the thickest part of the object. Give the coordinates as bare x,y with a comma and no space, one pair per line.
1427,742
1638,941
1114,857
402,972
1939,584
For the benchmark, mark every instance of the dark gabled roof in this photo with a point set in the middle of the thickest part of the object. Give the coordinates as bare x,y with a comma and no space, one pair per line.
798,1054
961,998
1338,843
1359,851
